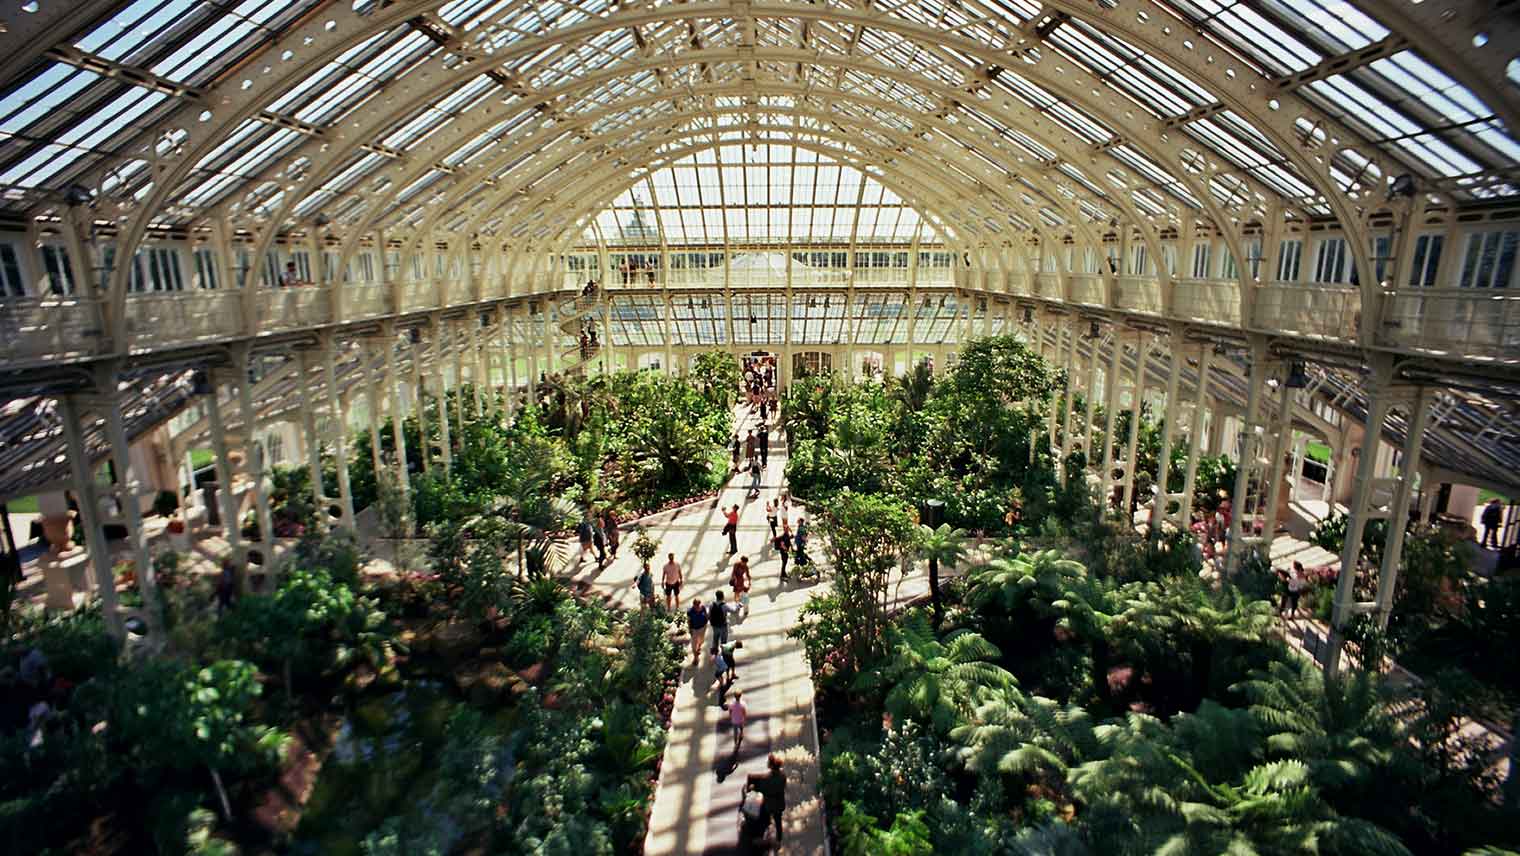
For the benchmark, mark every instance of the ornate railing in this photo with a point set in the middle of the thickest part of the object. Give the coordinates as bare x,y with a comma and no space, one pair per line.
176,317
1319,310
1457,321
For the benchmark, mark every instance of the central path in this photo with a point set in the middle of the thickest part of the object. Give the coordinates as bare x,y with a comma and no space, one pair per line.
696,807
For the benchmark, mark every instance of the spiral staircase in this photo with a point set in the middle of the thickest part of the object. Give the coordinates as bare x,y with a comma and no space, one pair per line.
573,315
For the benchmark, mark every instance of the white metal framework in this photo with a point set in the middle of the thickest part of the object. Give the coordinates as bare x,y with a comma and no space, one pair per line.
355,201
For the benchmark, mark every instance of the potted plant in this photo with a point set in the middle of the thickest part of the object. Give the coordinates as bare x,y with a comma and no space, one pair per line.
645,547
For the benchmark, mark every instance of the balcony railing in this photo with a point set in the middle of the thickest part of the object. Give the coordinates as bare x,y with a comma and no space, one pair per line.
1139,294
52,326
1461,321
1320,310
1048,286
418,295
157,320
1215,301
366,300
296,306
1086,288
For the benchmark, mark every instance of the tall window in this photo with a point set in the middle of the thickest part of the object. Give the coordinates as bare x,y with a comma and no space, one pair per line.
1330,263
1200,260
1253,257
1138,260
205,269
303,265
1229,270
366,267
1427,257
1490,259
1289,261
11,283
1169,255
60,273
1382,257
157,269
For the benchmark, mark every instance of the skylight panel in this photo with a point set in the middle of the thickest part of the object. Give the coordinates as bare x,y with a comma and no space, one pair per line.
132,27
1427,85
1338,23
1247,30
44,96
1078,121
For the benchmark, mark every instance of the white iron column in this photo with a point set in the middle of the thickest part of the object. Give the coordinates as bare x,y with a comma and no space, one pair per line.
313,440
1282,428
374,396
339,428
1132,446
1071,397
457,347
1344,607
253,456
1195,436
127,494
1110,419
445,445
1256,382
415,353
1052,422
1403,494
1162,500
224,471
89,516
480,377
1093,363
398,409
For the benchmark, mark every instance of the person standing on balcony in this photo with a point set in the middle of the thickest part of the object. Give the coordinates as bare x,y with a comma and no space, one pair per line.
290,277
1493,517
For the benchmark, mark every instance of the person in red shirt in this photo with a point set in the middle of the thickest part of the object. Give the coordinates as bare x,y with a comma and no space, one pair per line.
732,529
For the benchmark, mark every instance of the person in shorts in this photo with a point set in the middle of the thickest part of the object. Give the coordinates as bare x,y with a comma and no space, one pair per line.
739,580
671,578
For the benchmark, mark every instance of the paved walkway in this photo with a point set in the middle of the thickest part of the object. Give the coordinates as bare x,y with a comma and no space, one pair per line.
696,808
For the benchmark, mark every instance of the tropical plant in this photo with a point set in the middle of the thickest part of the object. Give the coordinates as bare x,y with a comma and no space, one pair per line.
859,834
644,546
932,681
942,545
867,536
911,389
717,377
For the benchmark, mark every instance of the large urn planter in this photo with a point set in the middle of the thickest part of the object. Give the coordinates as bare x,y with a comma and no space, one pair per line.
58,530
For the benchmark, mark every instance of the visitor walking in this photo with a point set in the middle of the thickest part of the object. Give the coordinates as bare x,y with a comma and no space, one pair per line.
226,586
772,789
770,515
731,529
645,582
728,670
739,580
751,449
583,532
765,442
599,538
737,447
783,544
614,537
754,481
717,616
1493,516
1296,585
696,624
738,715
671,577
799,544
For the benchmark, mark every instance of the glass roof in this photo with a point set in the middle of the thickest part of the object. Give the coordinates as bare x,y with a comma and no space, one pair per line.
92,102
766,194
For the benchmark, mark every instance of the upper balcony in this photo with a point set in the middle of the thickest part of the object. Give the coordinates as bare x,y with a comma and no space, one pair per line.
1452,323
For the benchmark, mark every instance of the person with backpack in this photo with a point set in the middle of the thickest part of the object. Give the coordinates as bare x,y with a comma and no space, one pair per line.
728,670
645,582
772,789
739,580
696,624
717,615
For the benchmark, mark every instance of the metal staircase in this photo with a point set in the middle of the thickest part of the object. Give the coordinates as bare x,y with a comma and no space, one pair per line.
579,314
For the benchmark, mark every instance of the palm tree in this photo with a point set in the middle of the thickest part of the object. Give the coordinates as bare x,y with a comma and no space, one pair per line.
1013,734
913,386
933,681
941,545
